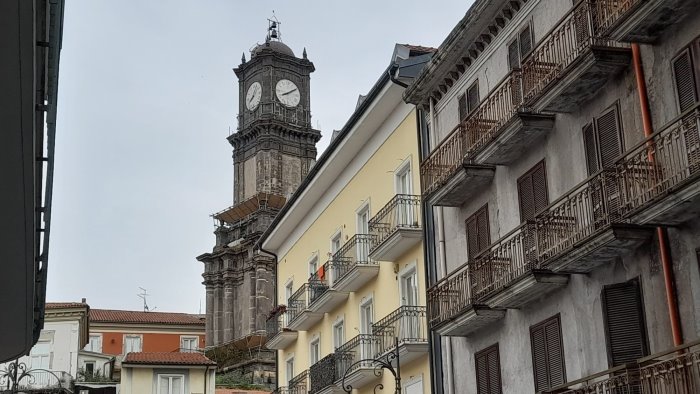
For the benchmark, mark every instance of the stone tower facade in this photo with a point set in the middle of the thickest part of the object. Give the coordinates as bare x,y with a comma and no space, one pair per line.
273,149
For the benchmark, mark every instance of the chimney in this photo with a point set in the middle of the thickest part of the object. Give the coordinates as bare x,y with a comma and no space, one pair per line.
84,300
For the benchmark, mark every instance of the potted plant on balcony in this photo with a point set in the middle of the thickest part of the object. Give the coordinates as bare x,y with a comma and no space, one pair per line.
276,311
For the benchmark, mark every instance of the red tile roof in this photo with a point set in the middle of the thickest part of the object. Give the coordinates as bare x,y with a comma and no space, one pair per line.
167,358
61,305
136,317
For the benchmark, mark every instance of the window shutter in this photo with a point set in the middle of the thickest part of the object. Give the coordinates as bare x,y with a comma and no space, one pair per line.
513,55
473,96
488,371
547,354
482,223
462,105
624,322
539,187
526,197
532,192
609,137
472,236
685,80
589,142
539,357
525,42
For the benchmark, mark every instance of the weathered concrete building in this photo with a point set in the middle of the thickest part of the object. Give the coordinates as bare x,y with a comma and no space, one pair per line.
273,149
561,176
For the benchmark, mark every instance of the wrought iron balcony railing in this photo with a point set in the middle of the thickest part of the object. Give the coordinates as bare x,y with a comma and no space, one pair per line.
401,212
319,281
363,346
298,302
667,160
407,323
323,374
277,323
354,252
299,383
576,33
274,110
674,371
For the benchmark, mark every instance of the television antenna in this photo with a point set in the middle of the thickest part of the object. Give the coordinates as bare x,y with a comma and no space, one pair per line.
143,295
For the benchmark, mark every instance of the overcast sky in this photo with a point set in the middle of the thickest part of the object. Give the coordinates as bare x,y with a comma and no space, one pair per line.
147,96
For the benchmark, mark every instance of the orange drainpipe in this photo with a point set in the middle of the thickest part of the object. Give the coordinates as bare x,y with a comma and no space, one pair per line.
664,251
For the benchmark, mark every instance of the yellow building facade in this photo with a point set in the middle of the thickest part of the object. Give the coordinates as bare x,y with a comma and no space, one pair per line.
350,274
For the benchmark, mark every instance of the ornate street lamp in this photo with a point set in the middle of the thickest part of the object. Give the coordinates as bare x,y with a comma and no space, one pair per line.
15,372
380,363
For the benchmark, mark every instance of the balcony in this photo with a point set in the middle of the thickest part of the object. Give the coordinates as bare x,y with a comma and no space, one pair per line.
673,371
323,296
571,63
351,264
349,362
396,228
660,177
499,128
301,318
324,375
279,336
640,20
407,325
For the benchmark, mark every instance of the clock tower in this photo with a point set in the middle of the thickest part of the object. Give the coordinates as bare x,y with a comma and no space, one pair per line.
274,147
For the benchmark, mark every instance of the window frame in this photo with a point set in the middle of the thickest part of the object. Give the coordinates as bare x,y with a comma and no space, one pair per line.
126,337
516,39
693,50
363,209
540,164
90,343
364,303
473,85
642,311
542,324
337,341
184,338
315,341
593,124
404,169
169,376
484,353
410,271
475,217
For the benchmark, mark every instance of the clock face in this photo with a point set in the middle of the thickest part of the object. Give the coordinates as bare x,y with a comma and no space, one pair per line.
252,98
287,93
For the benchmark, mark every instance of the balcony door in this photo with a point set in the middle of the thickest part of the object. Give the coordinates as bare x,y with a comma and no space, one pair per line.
366,321
409,322
405,216
361,245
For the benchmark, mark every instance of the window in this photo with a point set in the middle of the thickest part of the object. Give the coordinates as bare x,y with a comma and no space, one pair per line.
336,242
603,140
313,265
403,178
478,237
132,343
338,334
314,351
547,354
532,192
89,368
468,101
290,370
414,386
366,317
520,47
685,79
409,287
288,291
189,344
40,355
407,209
171,384
488,371
363,219
625,328
95,343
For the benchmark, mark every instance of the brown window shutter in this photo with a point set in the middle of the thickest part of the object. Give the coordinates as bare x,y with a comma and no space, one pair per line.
478,237
513,55
591,147
462,103
525,42
625,328
609,137
488,371
473,96
548,354
686,88
532,192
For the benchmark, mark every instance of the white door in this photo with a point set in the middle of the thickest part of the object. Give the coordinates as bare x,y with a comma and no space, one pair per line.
409,328
363,228
405,210
366,320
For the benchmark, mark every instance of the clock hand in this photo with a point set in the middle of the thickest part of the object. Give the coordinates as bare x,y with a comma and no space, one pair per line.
289,92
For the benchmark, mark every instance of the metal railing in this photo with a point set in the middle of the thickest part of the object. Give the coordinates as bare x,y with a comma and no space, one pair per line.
277,323
608,12
296,115
449,297
299,383
573,36
354,252
323,374
407,323
363,346
319,282
298,302
401,212
444,161
661,163
674,371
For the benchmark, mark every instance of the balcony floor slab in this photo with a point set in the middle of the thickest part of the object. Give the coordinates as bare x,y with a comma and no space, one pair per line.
605,245
581,80
469,321
398,243
360,377
526,289
465,183
305,320
328,301
647,20
673,208
523,130
357,277
282,339
332,389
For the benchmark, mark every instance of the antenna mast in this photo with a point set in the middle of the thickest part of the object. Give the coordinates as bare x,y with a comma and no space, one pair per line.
143,296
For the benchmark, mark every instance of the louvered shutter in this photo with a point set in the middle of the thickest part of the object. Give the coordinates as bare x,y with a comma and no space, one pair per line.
472,236
473,96
488,371
462,104
686,90
482,222
590,145
525,42
526,198
539,187
532,192
513,55
609,138
539,357
547,354
624,323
